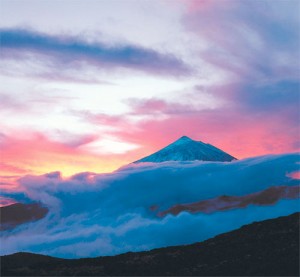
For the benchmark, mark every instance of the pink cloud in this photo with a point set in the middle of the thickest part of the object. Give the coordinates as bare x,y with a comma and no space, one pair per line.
253,121
252,40
33,152
255,42
295,175
202,5
6,201
241,138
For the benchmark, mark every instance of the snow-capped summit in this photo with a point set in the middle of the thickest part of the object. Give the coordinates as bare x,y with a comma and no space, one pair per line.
186,149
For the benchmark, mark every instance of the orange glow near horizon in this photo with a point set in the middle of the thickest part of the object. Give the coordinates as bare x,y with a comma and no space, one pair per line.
38,155
73,101
68,165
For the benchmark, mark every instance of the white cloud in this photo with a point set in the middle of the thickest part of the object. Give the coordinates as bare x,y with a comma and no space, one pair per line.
110,213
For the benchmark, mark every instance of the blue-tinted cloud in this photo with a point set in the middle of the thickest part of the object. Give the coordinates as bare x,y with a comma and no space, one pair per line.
256,40
106,214
67,51
270,97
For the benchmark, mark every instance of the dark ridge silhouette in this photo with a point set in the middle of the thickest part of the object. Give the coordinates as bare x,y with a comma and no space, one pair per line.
18,213
266,248
266,197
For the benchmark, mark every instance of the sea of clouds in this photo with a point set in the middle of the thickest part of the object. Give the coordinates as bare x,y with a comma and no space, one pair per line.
106,214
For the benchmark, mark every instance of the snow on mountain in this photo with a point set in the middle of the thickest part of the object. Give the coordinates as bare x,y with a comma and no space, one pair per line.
186,149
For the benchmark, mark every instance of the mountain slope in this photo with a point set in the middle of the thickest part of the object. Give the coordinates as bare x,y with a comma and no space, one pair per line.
19,213
186,149
266,248
268,196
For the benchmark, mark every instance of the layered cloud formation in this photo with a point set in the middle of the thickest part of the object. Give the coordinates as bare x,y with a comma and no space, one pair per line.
135,75
92,214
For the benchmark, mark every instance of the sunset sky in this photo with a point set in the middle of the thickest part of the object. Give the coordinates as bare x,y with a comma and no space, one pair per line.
93,85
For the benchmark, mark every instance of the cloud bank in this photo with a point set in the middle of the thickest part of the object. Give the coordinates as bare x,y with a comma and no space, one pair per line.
106,214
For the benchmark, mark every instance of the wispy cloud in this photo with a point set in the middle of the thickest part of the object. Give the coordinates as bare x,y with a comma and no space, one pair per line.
252,119
253,40
66,51
252,110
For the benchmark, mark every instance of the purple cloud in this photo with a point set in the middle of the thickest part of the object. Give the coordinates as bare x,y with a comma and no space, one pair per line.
67,51
252,39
